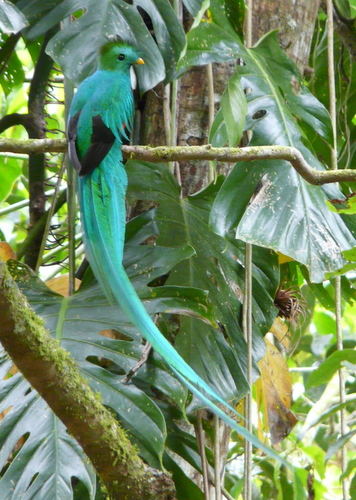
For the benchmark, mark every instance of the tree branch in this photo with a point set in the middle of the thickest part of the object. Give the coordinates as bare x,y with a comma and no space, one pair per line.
37,163
38,228
54,374
13,119
196,153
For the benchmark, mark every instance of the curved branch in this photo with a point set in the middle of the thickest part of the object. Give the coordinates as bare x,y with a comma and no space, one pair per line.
234,155
16,119
54,374
38,228
189,153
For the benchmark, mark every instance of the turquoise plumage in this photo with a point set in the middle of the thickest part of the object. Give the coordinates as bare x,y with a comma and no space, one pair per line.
100,117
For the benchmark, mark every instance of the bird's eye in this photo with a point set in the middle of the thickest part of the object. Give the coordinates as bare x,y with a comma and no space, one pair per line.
121,57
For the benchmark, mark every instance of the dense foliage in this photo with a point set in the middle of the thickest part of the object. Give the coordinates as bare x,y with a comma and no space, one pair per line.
184,255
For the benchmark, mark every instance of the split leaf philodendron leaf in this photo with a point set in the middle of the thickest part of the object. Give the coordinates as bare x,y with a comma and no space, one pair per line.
267,203
106,346
216,267
103,19
39,439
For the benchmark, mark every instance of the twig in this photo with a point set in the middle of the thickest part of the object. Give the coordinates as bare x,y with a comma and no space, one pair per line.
337,281
40,225
144,357
217,464
199,432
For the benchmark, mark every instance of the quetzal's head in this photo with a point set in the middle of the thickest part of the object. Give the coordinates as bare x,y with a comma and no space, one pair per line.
118,57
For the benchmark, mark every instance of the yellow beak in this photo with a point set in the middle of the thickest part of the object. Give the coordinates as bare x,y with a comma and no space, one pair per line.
140,61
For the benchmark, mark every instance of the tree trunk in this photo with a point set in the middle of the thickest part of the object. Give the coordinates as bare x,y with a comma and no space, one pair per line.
295,21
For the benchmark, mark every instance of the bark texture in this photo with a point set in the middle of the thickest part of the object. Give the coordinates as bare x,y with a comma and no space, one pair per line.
295,20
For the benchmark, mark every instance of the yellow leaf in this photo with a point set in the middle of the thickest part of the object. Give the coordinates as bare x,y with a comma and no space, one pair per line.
282,259
277,391
6,252
61,284
281,332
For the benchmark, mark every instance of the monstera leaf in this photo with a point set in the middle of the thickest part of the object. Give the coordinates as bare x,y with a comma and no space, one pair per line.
75,48
285,213
106,346
263,202
215,267
46,456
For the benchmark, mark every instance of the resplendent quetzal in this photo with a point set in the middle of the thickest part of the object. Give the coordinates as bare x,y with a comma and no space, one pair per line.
100,117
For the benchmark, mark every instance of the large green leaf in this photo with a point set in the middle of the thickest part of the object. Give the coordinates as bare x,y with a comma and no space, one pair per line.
75,48
286,214
12,19
229,15
76,322
285,75
13,73
215,267
208,43
49,458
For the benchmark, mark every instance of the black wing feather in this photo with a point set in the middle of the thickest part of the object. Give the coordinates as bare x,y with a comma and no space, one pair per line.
101,141
71,138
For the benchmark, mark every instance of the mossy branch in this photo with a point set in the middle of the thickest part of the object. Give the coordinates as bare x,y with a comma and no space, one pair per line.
54,374
196,153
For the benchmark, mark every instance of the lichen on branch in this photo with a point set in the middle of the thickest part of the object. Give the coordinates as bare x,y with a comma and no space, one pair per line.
189,153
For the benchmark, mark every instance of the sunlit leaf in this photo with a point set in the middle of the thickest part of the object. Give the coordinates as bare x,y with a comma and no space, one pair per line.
334,362
12,19
6,252
343,206
10,170
60,284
